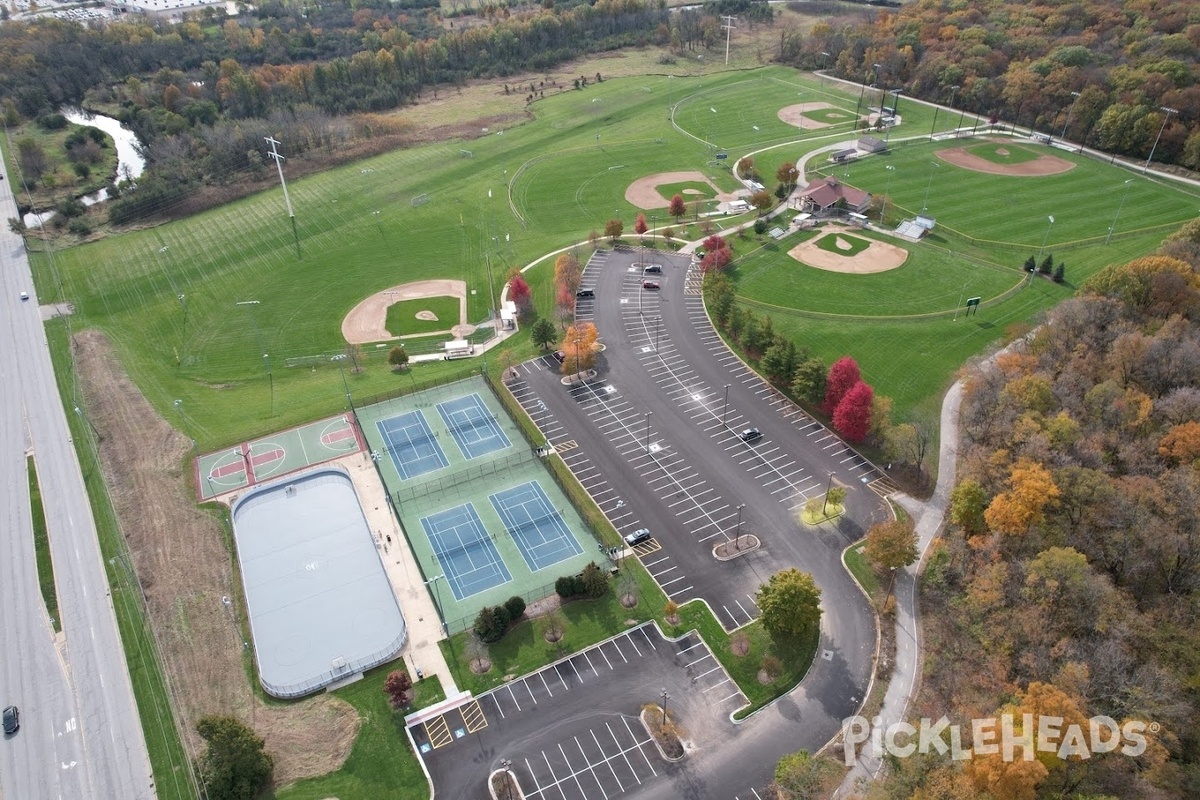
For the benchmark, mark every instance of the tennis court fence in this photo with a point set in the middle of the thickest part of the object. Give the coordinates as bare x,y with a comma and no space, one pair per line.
441,482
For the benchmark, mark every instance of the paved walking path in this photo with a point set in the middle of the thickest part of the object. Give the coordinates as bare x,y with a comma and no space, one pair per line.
421,651
907,668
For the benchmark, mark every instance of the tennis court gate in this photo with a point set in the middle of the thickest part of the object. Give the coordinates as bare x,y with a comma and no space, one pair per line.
469,474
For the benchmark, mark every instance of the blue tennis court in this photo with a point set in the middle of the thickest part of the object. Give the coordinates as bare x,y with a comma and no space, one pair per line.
411,445
468,557
535,525
473,427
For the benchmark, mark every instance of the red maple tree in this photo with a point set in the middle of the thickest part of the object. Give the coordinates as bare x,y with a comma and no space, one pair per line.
852,419
842,377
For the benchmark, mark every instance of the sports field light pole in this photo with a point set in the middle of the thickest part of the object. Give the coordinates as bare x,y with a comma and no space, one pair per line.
1117,216
824,61
755,127
286,199
711,146
1070,111
438,595
183,418
339,358
1169,112
253,305
1046,238
648,415
933,166
958,305
895,93
725,407
858,106
891,169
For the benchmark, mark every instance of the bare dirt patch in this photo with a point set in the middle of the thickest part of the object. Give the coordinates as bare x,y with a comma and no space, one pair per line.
1040,166
181,559
428,316
794,115
878,257
644,193
367,321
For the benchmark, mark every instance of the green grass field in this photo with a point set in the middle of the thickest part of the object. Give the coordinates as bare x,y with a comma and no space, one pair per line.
688,190
402,319
843,244
532,189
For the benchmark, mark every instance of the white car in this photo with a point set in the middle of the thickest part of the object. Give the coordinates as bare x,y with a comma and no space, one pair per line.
24,295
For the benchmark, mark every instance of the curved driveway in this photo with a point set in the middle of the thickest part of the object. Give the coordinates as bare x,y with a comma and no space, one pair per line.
684,474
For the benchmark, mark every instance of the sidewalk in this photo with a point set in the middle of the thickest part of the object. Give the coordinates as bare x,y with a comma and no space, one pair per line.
906,672
420,651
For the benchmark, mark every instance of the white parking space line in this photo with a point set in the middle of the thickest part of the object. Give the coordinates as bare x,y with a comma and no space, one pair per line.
607,761
590,664
574,772
704,657
543,677
679,591
634,644
514,697
591,767
715,685
709,672
665,584
531,697
498,708
561,680
640,749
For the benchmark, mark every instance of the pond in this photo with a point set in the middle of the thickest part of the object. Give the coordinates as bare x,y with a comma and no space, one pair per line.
130,163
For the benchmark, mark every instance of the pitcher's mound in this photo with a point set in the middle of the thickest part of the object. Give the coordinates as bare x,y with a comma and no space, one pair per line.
644,193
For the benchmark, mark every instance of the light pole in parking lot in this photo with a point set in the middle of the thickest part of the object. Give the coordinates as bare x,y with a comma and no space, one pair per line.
828,486
665,697
657,320
648,415
725,408
737,537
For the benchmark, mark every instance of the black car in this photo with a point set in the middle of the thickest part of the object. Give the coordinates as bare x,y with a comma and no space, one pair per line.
12,720
637,537
560,356
751,435
653,269
586,293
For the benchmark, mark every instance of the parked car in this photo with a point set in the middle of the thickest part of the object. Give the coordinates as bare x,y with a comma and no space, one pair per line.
12,720
637,537
653,269
560,356
586,293
751,435
650,285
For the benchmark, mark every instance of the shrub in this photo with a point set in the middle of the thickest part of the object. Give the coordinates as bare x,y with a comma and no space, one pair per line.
760,226
594,580
79,226
568,586
515,606
71,208
491,623
52,122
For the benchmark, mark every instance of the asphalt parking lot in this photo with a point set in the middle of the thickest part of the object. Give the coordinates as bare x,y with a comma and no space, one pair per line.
571,730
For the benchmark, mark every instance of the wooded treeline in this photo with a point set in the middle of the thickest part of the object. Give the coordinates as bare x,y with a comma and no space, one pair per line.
1068,582
1126,60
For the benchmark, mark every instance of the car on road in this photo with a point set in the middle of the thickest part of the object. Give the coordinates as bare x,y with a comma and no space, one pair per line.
12,720
24,295
586,293
650,285
653,269
560,356
637,537
751,435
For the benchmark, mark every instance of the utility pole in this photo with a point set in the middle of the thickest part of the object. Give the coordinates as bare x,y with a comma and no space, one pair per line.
286,198
728,26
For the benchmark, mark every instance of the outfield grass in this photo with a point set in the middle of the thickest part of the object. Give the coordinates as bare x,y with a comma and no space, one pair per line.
41,546
402,319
